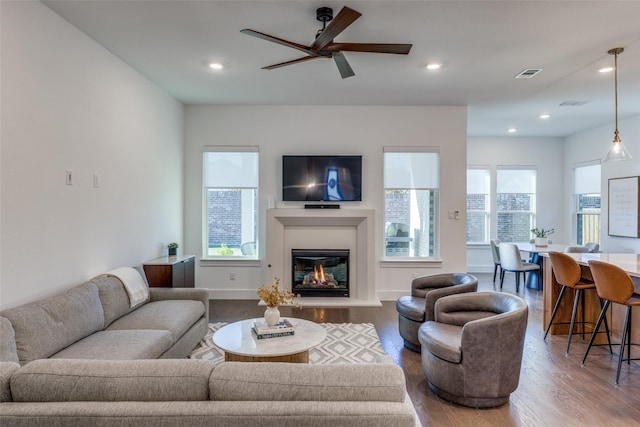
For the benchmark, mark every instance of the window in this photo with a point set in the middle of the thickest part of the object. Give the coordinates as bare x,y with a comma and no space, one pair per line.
230,183
411,187
516,201
586,190
478,205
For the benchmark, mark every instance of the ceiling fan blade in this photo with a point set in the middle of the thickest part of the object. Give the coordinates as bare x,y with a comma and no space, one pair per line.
401,49
345,17
283,42
294,61
343,66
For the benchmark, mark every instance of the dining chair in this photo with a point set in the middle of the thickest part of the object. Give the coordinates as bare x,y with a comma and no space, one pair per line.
576,249
567,272
496,258
592,247
510,260
614,285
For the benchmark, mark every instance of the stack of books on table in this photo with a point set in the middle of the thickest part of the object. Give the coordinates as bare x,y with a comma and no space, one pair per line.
261,330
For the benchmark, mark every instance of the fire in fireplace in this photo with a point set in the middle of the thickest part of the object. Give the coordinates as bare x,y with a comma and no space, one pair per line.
320,272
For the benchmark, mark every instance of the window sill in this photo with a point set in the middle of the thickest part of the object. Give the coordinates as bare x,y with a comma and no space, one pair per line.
230,262
413,262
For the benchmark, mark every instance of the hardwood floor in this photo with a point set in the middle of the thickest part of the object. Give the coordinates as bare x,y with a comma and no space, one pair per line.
554,389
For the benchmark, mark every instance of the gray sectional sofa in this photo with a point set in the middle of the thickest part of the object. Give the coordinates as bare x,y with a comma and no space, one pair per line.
87,358
138,393
96,321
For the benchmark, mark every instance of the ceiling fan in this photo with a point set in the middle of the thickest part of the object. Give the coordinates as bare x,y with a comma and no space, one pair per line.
324,46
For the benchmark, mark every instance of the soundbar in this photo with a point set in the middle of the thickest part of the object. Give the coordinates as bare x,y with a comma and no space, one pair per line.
322,206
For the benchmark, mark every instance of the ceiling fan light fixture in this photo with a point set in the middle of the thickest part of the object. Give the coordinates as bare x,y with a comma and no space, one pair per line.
617,151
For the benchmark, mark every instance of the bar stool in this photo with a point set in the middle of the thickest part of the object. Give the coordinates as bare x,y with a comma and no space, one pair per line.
614,285
567,273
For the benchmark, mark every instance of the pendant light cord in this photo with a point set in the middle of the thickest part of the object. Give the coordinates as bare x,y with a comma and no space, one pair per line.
615,63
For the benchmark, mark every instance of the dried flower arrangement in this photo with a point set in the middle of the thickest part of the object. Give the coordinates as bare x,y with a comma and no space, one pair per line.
273,296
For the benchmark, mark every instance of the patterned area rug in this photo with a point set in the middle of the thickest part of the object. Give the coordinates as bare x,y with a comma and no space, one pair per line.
345,343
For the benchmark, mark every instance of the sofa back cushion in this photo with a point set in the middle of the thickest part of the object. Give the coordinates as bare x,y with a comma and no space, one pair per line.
45,327
114,296
8,351
380,382
70,380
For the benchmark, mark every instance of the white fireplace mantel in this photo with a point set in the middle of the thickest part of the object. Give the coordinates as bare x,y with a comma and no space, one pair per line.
353,229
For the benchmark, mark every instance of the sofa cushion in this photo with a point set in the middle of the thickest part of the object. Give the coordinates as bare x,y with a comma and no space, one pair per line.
8,351
112,380
112,345
442,340
411,308
297,382
47,326
176,316
113,296
6,371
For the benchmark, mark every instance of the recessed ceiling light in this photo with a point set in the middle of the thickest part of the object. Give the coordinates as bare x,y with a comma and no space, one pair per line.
512,130
544,116
605,70
433,66
216,66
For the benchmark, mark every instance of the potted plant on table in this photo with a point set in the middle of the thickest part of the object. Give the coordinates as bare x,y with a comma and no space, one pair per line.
542,236
173,248
274,297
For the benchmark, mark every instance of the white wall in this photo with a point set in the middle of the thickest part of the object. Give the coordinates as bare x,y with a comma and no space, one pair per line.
546,156
69,104
325,130
593,145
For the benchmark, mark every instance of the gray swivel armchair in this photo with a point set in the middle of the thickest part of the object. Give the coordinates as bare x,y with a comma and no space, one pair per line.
472,352
417,308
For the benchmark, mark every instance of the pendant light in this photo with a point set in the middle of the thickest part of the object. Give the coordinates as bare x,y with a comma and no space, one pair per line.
617,151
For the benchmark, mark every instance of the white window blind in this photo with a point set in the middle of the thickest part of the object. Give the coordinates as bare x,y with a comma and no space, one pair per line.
478,181
230,169
587,179
416,170
516,181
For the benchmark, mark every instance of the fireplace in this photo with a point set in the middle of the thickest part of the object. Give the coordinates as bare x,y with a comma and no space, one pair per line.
320,272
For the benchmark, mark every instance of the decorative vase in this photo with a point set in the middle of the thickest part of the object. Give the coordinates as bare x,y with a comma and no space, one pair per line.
542,241
272,316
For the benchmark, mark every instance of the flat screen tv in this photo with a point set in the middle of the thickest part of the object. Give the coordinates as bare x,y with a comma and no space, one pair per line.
321,178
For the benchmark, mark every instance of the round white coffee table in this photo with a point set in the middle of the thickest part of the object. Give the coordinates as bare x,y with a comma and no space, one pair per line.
240,345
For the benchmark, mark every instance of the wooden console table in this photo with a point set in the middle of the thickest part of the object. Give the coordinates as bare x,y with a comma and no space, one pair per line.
176,271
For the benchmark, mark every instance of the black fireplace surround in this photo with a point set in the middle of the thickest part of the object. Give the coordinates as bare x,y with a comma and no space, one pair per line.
320,272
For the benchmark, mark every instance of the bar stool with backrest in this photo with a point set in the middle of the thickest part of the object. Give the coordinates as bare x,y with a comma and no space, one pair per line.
567,272
614,285
510,260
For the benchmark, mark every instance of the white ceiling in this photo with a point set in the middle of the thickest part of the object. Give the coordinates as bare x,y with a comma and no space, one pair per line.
482,44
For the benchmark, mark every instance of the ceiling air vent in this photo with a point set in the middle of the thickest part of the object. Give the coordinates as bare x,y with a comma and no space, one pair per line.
528,73
573,103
